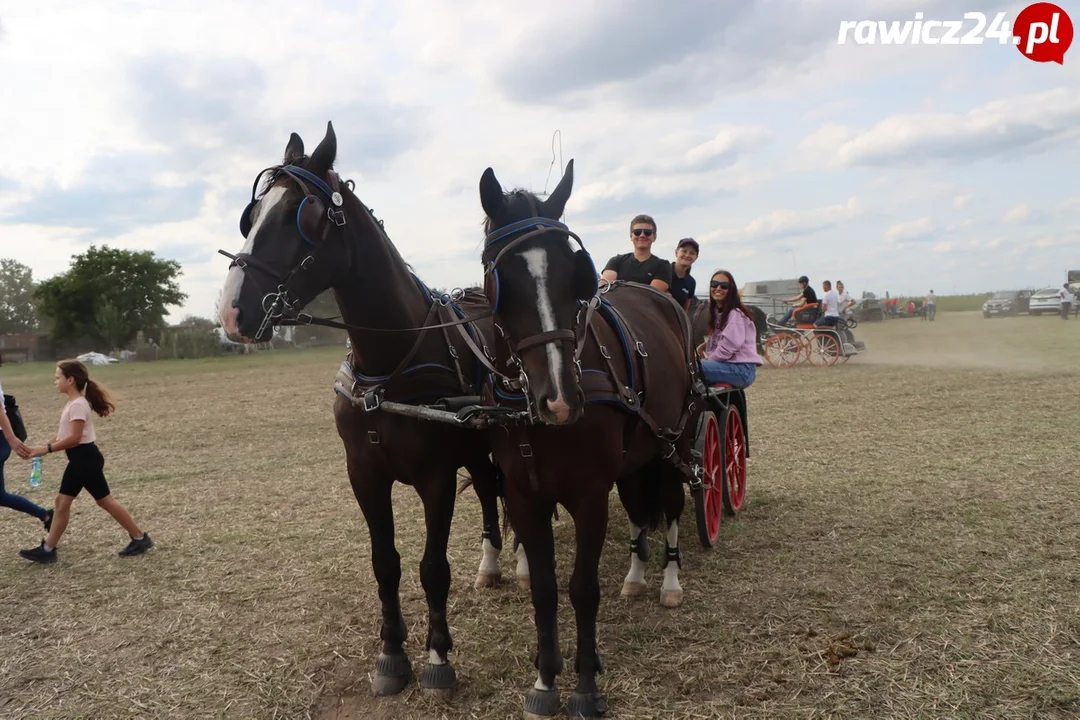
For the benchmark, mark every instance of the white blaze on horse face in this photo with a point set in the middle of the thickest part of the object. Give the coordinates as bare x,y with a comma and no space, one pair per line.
536,262
230,294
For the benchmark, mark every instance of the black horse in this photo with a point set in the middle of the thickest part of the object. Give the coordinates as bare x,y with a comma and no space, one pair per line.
609,380
308,232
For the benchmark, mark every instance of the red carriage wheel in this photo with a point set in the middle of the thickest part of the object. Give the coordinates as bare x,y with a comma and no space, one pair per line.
782,350
823,350
734,479
708,499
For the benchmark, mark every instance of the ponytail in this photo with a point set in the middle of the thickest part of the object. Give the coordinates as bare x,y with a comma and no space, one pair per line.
97,395
99,398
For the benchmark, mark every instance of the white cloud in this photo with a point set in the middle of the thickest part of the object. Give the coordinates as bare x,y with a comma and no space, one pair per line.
1013,126
143,127
780,223
911,230
1018,213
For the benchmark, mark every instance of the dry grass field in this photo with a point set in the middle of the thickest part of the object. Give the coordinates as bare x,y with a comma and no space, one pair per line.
910,548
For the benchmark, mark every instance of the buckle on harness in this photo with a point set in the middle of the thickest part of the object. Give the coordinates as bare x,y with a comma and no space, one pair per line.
641,349
372,400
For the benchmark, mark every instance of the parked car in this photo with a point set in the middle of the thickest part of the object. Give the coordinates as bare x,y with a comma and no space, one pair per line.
1007,302
1045,301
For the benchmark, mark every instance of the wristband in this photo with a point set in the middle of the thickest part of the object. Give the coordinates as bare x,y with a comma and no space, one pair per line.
48,447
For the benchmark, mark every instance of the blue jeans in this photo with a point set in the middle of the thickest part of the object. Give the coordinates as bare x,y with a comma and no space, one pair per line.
740,375
787,316
15,502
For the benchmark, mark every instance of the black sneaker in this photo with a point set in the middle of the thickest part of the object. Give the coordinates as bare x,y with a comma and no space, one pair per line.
138,547
47,522
40,554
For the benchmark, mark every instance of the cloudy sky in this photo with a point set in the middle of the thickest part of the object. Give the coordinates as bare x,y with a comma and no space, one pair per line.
742,124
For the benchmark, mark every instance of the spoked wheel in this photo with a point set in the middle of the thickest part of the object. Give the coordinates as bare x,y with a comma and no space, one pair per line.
783,349
708,499
734,480
823,350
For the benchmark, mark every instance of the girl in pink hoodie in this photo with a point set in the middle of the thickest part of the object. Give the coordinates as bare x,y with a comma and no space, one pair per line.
729,355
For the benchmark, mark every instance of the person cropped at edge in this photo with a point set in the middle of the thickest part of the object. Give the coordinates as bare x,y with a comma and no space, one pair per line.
8,442
641,265
729,354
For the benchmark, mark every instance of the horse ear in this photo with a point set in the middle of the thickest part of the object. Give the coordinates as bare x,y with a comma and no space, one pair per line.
323,157
556,202
294,150
585,281
492,198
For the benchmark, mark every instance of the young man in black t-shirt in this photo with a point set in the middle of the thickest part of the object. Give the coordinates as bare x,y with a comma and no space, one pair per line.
683,283
641,265
807,297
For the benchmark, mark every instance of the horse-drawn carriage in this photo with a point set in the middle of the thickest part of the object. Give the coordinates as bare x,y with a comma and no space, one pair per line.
546,388
786,345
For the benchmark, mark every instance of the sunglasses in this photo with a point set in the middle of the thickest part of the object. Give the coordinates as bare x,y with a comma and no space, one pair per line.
722,284
638,232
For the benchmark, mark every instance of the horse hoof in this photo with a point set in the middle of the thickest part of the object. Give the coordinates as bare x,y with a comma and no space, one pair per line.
438,681
633,589
524,582
486,580
586,705
671,598
541,704
393,673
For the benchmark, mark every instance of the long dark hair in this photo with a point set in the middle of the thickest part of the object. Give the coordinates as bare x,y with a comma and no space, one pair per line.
97,395
732,301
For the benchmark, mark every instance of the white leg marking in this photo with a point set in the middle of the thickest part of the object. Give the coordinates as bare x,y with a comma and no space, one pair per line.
235,280
671,592
522,570
434,659
540,684
671,572
536,262
636,576
489,564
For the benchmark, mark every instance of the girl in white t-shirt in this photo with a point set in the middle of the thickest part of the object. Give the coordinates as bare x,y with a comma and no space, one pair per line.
8,442
85,464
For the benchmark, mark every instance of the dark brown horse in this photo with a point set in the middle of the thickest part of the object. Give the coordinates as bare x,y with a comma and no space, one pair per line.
610,380
308,232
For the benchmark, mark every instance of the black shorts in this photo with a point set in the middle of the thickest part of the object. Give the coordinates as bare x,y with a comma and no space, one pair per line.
85,469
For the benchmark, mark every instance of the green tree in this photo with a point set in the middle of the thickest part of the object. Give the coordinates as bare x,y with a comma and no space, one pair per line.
110,295
17,311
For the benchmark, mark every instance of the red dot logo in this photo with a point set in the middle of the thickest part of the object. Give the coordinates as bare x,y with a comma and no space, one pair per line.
1043,32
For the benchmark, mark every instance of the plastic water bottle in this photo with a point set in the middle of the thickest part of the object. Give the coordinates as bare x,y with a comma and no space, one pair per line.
35,472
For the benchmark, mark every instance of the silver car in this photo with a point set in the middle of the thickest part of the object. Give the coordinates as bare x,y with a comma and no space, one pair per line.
1045,301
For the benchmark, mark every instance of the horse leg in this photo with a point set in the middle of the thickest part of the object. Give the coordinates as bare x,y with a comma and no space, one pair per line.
522,569
393,671
531,518
486,479
630,489
590,528
674,499
437,493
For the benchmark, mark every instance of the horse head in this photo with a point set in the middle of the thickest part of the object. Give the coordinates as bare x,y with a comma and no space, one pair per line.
294,248
537,284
